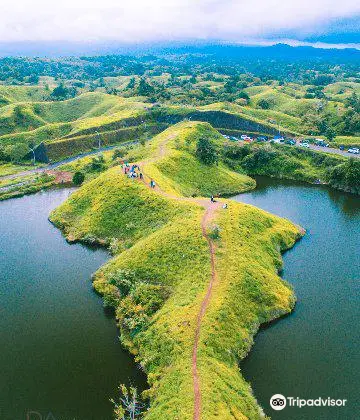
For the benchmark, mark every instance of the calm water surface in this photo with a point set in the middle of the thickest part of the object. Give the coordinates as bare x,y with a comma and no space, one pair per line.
314,352
59,351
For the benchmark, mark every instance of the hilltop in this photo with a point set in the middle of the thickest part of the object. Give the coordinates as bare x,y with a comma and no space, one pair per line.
176,254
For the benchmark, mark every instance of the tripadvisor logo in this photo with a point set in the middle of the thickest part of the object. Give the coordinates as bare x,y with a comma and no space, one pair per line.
279,402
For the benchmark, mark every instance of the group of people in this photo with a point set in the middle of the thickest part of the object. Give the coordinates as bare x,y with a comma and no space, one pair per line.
133,171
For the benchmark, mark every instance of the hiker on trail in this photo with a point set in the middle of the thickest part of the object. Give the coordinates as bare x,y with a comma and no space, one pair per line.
152,184
225,206
141,175
212,199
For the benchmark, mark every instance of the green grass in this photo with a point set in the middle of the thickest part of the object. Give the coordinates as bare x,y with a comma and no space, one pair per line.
180,172
9,94
10,168
349,141
174,262
113,206
91,112
24,185
248,293
262,116
161,271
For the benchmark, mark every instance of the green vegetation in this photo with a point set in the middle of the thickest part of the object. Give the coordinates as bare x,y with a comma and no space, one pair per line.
294,163
75,105
104,209
161,270
345,176
180,171
20,186
78,178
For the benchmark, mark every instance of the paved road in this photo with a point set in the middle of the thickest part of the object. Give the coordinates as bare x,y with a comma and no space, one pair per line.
331,150
104,149
68,160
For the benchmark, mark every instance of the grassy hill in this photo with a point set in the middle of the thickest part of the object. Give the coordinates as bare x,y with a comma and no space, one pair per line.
12,94
179,172
76,125
161,270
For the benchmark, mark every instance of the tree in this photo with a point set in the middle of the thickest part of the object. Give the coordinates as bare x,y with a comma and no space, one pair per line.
97,164
131,83
145,89
19,115
60,92
264,104
243,95
118,153
352,173
206,151
330,133
78,178
33,79
129,405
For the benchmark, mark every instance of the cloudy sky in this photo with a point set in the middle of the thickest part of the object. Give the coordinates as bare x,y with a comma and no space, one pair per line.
136,21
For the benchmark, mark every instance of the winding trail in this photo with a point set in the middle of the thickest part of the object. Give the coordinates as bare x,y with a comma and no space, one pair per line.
209,214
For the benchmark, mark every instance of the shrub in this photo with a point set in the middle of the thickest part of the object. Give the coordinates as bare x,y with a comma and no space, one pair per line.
78,178
119,153
97,164
206,151
264,104
214,233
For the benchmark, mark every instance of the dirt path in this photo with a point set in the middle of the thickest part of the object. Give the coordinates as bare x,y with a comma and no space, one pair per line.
209,214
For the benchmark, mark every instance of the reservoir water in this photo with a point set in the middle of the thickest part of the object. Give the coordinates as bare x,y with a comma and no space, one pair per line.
60,356
314,352
60,352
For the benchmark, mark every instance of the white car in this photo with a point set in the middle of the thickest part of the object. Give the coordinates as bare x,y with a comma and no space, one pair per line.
354,150
244,137
304,145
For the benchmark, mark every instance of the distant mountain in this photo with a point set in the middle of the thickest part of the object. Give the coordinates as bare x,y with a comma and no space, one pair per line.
225,51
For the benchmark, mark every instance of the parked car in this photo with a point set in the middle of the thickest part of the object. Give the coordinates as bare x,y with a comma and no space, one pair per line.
304,145
278,139
354,150
262,138
290,142
244,137
342,147
322,143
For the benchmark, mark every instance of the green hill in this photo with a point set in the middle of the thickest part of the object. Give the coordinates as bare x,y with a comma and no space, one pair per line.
160,274
179,172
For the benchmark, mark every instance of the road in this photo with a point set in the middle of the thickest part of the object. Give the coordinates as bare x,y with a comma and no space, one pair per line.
331,150
104,149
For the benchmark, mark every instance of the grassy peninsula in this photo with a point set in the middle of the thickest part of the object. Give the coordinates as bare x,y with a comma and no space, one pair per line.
187,277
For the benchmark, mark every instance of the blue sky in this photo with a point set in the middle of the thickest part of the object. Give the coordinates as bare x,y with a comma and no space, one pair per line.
144,21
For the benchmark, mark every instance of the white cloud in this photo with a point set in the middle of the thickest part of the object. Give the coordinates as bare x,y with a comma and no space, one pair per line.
149,20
